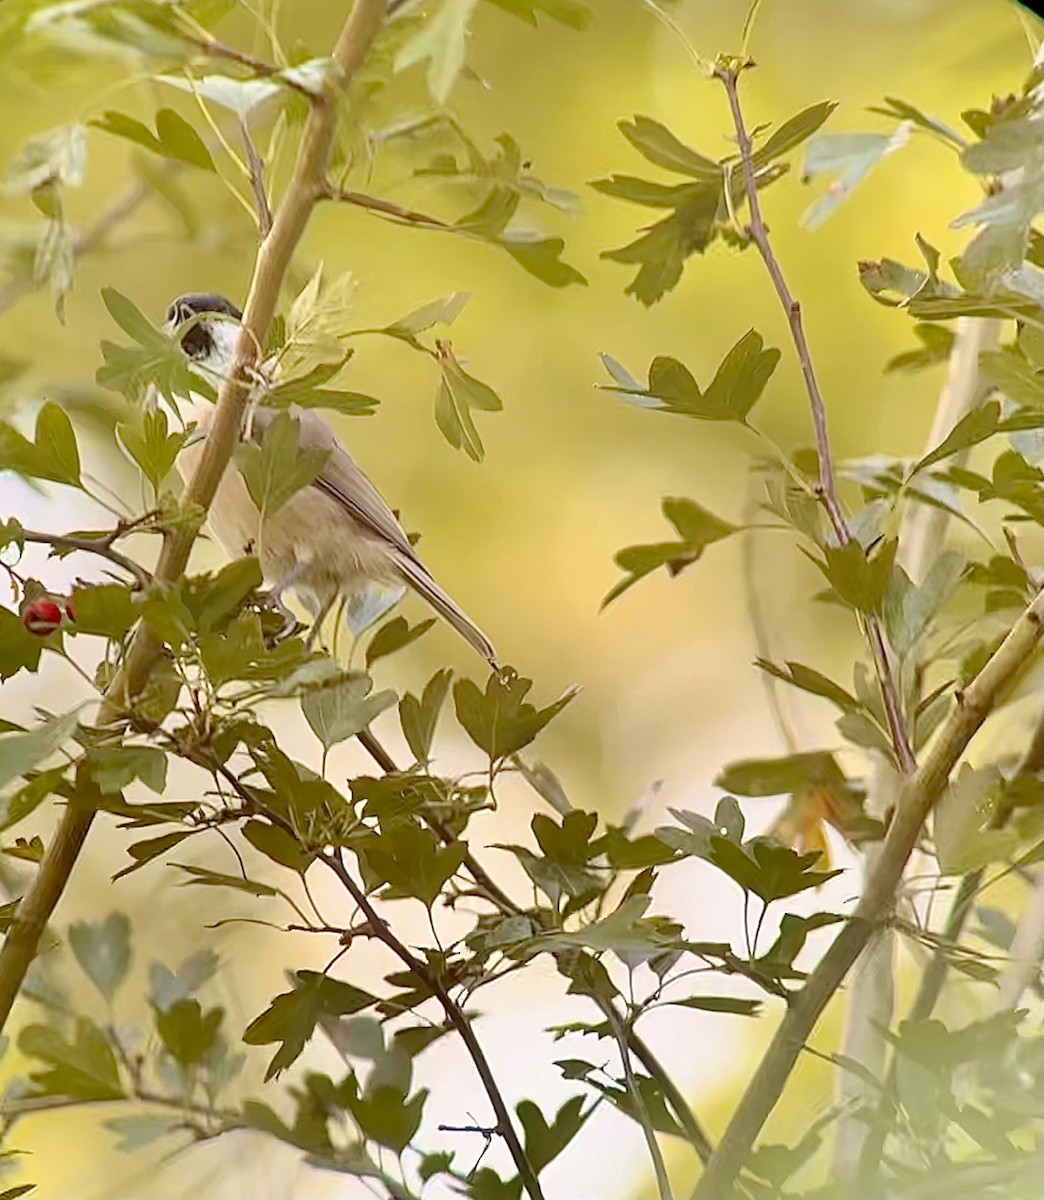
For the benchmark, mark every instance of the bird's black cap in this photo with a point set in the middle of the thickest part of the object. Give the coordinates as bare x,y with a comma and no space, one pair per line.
196,342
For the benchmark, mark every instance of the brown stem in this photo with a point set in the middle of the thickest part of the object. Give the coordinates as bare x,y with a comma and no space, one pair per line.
920,790
273,258
384,208
257,181
456,1016
827,490
60,541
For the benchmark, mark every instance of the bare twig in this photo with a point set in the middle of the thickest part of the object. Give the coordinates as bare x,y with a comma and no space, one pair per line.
384,208
454,1013
273,258
257,181
827,490
63,541
641,1112
920,791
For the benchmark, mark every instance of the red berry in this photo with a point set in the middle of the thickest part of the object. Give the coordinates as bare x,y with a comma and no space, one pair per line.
42,616
70,610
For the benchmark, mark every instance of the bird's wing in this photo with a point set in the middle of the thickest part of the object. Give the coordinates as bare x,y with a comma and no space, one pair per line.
341,477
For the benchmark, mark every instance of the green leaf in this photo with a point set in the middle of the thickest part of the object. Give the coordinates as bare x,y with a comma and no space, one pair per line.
19,649
395,635
203,877
140,1130
278,468
213,597
793,132
735,389
106,609
155,358
501,721
541,257
344,708
443,311
150,446
545,1142
698,528
58,156
57,456
720,1004
83,1069
115,767
186,1031
413,860
291,1017
974,427
174,138
103,951
440,42
966,837
167,988
457,394
23,752
418,718
146,851
275,843
656,143
570,12
859,581
810,680
853,156
767,868
385,1116
780,776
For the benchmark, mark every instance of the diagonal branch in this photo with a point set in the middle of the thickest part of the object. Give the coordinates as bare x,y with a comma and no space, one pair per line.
273,258
454,1013
827,490
920,791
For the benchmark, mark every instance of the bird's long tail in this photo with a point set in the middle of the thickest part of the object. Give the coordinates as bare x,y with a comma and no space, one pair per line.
422,583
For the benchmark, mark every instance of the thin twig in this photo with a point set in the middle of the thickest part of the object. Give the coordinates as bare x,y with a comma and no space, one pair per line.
274,256
827,491
257,180
62,541
384,208
920,791
641,1112
456,1016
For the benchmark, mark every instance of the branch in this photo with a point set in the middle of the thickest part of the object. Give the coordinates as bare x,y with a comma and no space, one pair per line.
641,1112
920,791
89,240
686,1118
61,541
273,258
827,490
922,532
257,181
384,208
456,1016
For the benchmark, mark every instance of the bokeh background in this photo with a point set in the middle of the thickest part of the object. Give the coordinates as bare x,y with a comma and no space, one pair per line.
525,541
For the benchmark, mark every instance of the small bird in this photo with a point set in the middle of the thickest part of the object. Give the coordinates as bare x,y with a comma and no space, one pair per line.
332,537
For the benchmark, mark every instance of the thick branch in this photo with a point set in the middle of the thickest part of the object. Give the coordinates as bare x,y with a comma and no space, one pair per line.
456,1016
273,259
920,791
828,492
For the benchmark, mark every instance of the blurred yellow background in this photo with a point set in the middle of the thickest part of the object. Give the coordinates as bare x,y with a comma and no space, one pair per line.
525,541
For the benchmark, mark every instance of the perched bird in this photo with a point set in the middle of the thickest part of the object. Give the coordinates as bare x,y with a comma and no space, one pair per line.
332,537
